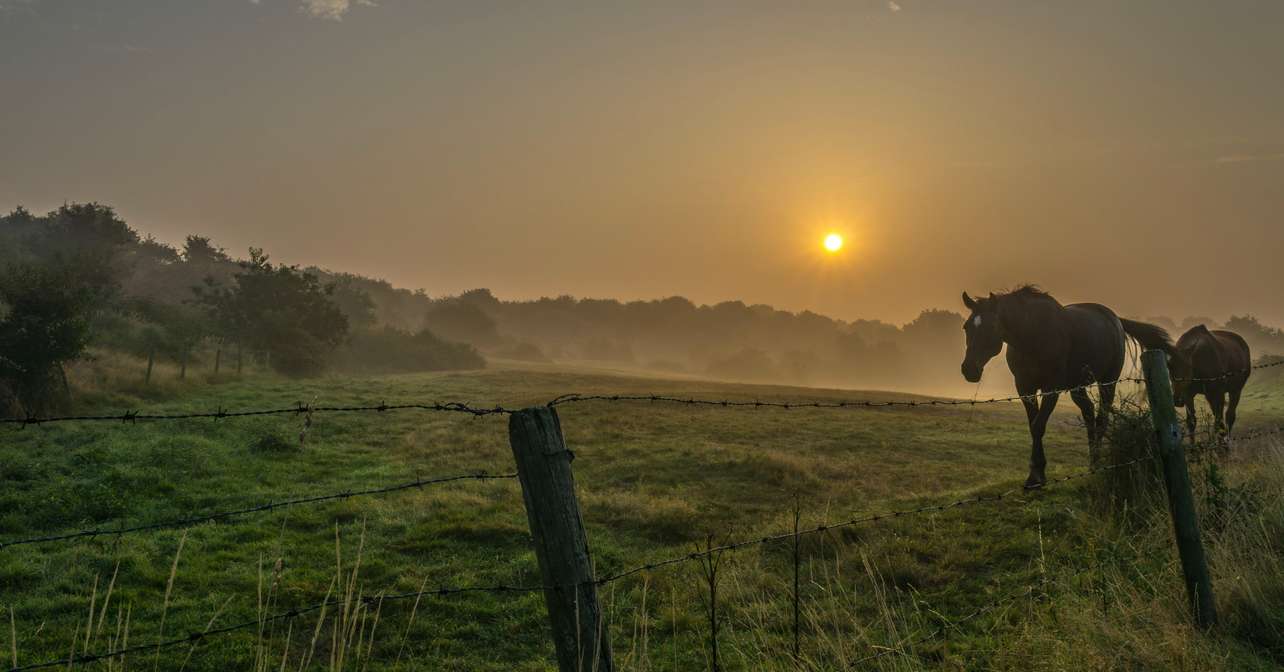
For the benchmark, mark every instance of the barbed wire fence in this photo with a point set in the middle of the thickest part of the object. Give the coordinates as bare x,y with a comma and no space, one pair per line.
553,590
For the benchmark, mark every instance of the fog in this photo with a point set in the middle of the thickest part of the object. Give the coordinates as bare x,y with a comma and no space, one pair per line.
1128,153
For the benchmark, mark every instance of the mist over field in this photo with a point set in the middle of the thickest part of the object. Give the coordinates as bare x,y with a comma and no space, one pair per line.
128,293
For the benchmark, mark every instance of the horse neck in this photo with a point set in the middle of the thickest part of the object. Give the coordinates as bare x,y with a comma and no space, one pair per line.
1029,326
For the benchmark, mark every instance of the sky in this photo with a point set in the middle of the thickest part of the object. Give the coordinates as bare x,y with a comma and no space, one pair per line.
1128,153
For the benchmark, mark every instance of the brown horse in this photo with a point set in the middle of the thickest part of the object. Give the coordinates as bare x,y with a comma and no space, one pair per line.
1053,347
1214,364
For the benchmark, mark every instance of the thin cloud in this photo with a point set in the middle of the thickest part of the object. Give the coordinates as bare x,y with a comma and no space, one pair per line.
15,6
891,4
1244,158
333,10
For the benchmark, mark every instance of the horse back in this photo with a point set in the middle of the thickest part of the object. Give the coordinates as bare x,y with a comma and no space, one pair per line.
1236,355
1217,355
1097,343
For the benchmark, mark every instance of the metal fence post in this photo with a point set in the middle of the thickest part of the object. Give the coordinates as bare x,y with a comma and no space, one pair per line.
1181,502
580,633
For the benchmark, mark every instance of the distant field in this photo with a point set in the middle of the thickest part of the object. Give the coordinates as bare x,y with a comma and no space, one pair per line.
654,480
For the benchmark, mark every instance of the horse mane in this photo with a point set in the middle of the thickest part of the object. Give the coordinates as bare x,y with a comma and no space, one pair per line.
1029,294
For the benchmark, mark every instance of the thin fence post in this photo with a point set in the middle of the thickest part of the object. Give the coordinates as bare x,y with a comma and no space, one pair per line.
709,567
797,593
580,635
1181,502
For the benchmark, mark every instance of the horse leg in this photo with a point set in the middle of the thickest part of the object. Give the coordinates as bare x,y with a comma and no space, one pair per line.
1216,401
1031,405
1107,392
1230,410
1039,424
1084,402
1190,419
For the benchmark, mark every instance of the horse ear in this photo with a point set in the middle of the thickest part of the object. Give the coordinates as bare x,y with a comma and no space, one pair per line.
969,302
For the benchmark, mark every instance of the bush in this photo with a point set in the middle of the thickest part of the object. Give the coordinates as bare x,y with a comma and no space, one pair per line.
1130,436
46,312
390,350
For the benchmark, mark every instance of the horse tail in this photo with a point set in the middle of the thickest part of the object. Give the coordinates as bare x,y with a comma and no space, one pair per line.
1150,336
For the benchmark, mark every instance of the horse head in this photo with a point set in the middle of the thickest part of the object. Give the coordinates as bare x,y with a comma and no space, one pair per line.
984,338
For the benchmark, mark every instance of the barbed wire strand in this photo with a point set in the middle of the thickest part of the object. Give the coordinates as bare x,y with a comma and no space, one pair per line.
300,409
477,411
913,403
259,508
983,498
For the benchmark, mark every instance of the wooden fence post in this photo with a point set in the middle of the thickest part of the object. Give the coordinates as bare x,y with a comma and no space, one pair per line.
1181,502
580,632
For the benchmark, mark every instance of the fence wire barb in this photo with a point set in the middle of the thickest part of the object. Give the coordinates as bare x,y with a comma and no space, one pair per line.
260,508
131,417
740,403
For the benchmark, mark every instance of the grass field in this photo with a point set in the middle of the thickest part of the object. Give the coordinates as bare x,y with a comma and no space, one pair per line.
1077,588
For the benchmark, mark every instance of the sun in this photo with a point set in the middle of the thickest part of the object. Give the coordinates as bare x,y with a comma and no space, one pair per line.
833,243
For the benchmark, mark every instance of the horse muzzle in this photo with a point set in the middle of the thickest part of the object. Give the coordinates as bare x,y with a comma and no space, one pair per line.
971,372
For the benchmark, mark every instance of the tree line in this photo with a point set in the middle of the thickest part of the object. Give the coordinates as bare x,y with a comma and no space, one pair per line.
79,277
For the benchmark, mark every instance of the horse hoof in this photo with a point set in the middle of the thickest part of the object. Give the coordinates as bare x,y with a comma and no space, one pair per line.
1033,483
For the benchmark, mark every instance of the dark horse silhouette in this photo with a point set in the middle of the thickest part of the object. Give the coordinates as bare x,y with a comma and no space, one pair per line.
1054,347
1214,364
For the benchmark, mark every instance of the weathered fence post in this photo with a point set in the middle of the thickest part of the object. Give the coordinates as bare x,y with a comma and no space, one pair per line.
1181,503
580,632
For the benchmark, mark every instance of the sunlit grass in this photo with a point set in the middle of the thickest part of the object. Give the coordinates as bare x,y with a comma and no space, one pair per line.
654,480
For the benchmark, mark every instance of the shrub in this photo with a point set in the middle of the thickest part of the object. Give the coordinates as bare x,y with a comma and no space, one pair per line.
1130,436
390,350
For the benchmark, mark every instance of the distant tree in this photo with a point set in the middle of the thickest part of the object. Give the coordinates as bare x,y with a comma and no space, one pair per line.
200,251
354,302
462,321
482,298
935,330
224,317
1194,321
390,350
1261,338
83,230
173,331
152,251
867,362
287,314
